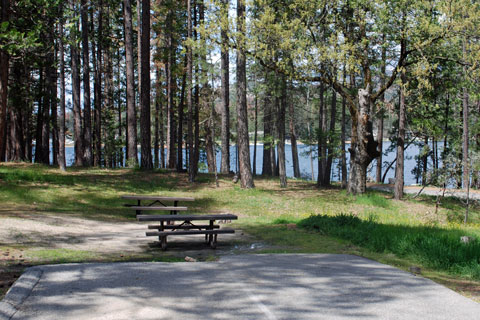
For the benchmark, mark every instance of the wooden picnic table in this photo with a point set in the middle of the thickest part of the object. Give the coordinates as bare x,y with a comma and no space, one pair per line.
153,200
210,230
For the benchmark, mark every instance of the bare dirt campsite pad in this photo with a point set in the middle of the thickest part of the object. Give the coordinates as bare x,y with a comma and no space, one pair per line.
313,286
29,239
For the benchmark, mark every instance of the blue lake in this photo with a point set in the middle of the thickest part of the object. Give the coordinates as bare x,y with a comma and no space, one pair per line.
305,164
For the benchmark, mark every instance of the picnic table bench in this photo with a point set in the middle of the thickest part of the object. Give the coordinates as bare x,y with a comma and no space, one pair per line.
165,229
153,201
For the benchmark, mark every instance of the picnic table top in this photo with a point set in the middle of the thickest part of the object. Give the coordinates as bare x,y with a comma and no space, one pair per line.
143,197
186,217
159,208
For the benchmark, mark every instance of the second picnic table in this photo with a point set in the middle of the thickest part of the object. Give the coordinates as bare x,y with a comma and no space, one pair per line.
156,203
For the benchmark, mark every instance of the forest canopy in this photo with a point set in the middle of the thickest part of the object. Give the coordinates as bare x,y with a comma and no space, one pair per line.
169,84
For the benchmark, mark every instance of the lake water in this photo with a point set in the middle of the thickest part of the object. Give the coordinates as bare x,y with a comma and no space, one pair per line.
304,159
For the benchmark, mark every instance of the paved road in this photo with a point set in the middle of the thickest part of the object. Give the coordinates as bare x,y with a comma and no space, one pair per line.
317,286
430,191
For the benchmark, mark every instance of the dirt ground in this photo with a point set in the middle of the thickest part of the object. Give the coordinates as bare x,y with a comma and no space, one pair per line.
22,234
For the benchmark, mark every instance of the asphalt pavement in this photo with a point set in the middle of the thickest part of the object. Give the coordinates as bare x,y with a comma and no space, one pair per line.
280,286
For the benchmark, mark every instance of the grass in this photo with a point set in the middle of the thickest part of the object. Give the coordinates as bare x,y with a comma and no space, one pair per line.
400,233
436,248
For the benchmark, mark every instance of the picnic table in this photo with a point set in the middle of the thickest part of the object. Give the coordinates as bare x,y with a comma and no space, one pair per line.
187,227
152,202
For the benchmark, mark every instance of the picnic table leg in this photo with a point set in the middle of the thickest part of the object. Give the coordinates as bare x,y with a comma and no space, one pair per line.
163,239
210,236
138,211
213,242
164,243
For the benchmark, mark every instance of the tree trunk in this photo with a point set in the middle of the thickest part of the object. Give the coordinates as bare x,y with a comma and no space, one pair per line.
380,120
399,169
171,159
180,122
281,107
293,140
191,156
156,158
145,130
321,139
425,162
17,100
48,99
108,111
446,129
139,51
198,71
209,145
333,115
4,63
54,107
344,138
225,94
87,113
77,113
255,132
39,124
267,136
242,117
97,67
465,158
132,159
61,120
363,148
162,137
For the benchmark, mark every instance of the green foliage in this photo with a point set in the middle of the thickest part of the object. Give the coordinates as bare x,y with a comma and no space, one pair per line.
434,247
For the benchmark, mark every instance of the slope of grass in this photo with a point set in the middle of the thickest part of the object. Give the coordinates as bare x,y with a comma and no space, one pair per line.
401,233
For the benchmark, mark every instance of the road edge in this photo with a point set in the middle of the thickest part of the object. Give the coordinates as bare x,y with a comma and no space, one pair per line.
19,292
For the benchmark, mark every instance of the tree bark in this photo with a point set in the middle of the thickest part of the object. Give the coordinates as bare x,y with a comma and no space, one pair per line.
281,106
255,131
77,113
180,121
132,159
139,50
242,118
17,105
399,169
333,115
191,156
344,138
4,62
209,145
363,148
41,104
225,93
465,134
162,137
145,130
87,113
97,67
156,158
380,119
171,159
54,104
267,136
61,120
321,139
293,140
108,111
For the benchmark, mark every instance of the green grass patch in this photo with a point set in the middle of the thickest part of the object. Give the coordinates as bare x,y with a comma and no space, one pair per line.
61,255
373,199
433,247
